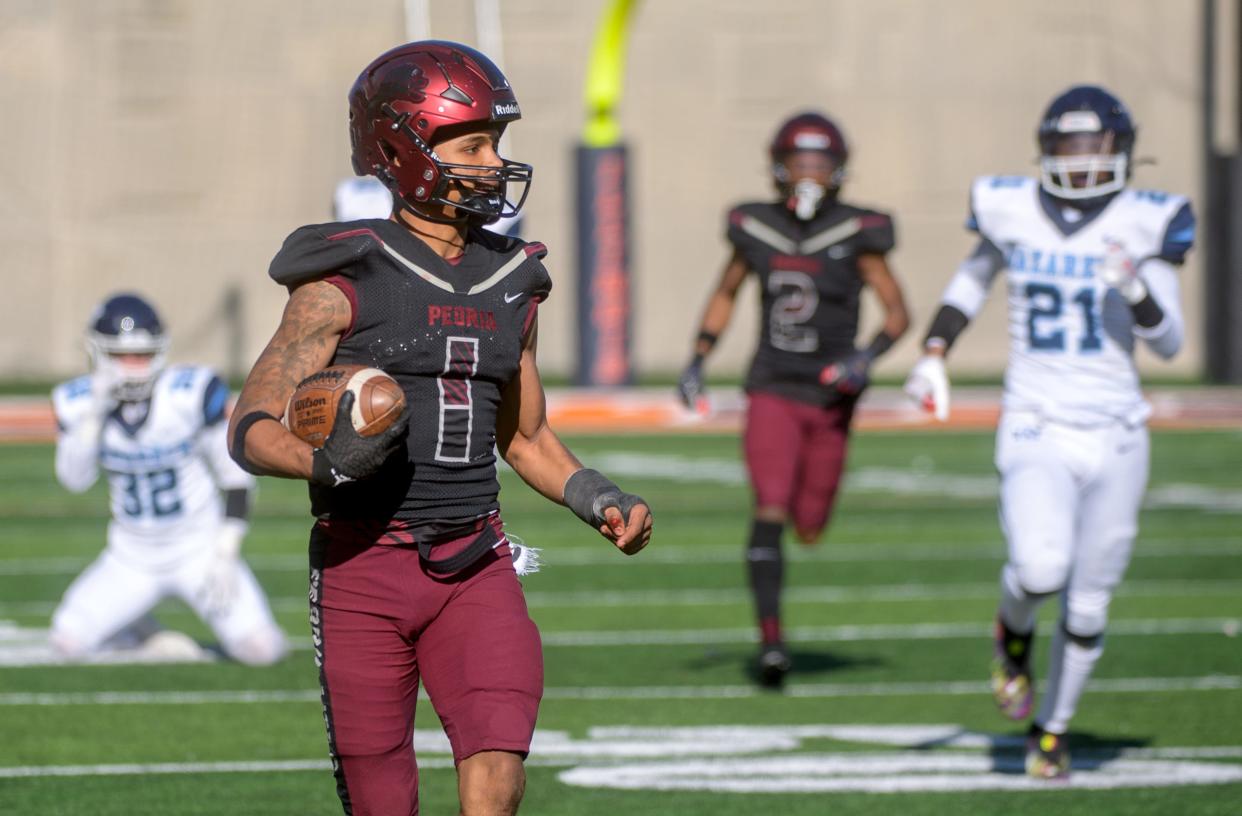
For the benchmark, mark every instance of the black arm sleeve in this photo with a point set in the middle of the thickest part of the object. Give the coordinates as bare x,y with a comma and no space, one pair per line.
237,504
1147,312
947,325
880,344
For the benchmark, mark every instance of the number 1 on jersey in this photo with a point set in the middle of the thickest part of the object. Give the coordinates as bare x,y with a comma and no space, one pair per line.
461,363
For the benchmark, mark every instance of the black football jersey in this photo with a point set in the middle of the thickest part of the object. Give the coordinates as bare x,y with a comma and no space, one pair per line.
450,333
810,287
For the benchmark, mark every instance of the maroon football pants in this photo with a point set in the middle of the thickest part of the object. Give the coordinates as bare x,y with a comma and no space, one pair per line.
795,453
380,623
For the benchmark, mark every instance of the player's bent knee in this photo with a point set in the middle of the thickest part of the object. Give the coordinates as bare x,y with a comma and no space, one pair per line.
262,648
1085,621
67,645
1042,578
491,783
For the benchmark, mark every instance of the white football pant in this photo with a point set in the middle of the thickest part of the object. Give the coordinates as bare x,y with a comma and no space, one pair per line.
1069,505
114,592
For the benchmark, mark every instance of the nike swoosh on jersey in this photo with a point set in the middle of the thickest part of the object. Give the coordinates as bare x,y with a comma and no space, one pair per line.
509,299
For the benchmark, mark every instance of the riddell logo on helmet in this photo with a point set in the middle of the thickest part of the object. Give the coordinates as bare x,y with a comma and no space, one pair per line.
812,141
506,109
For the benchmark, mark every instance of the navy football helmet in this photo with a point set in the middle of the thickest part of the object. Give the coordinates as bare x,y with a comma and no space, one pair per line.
127,345
1086,138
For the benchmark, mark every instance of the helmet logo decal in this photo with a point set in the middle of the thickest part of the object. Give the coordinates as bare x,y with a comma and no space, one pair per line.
811,141
408,84
127,324
500,109
1079,122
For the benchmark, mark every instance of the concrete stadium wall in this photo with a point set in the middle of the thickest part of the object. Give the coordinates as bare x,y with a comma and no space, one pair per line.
168,146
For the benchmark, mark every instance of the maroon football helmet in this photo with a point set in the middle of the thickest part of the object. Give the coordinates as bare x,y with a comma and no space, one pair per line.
416,95
809,131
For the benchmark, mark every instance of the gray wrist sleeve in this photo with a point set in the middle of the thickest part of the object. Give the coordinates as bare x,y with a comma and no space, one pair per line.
588,492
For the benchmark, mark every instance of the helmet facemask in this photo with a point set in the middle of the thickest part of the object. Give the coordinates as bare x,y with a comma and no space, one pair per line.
483,190
806,179
1072,174
116,358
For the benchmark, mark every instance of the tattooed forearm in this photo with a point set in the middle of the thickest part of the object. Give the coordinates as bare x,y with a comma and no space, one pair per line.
315,317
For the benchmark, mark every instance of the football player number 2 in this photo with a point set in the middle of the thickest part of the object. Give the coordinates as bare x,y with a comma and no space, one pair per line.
795,301
461,363
1047,303
153,493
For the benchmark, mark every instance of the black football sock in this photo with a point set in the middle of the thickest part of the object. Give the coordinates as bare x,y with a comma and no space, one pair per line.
763,558
1017,646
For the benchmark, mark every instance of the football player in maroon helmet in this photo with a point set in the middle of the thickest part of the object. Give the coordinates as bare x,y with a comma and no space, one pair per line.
812,255
411,574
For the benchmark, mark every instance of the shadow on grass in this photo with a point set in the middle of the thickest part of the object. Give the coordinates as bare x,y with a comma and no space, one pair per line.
1088,751
808,664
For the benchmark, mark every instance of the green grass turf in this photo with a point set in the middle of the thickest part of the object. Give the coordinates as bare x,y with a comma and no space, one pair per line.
889,559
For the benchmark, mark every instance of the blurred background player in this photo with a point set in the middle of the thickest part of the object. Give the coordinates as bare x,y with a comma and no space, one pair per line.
812,255
412,579
179,503
361,197
1090,269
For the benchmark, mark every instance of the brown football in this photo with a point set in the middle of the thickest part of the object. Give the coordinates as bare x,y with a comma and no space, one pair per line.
378,401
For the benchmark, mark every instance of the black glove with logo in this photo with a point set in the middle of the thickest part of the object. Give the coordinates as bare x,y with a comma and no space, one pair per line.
849,376
348,457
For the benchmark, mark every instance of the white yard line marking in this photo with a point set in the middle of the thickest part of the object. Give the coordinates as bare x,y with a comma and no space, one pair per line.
830,551
24,647
902,481
1134,685
889,773
1125,685
93,698
868,632
766,758
630,598
844,594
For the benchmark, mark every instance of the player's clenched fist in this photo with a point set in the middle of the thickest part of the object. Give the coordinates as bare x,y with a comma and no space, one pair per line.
622,518
347,456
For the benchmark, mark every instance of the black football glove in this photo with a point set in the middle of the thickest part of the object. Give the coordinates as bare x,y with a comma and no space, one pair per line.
348,457
849,376
690,383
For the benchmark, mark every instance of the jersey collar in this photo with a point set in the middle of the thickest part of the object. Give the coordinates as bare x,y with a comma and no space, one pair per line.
1054,208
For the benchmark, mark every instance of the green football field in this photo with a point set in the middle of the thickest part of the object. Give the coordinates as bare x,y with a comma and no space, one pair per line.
649,707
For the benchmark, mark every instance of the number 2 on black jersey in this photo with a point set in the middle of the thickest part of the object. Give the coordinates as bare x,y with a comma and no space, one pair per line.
795,302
